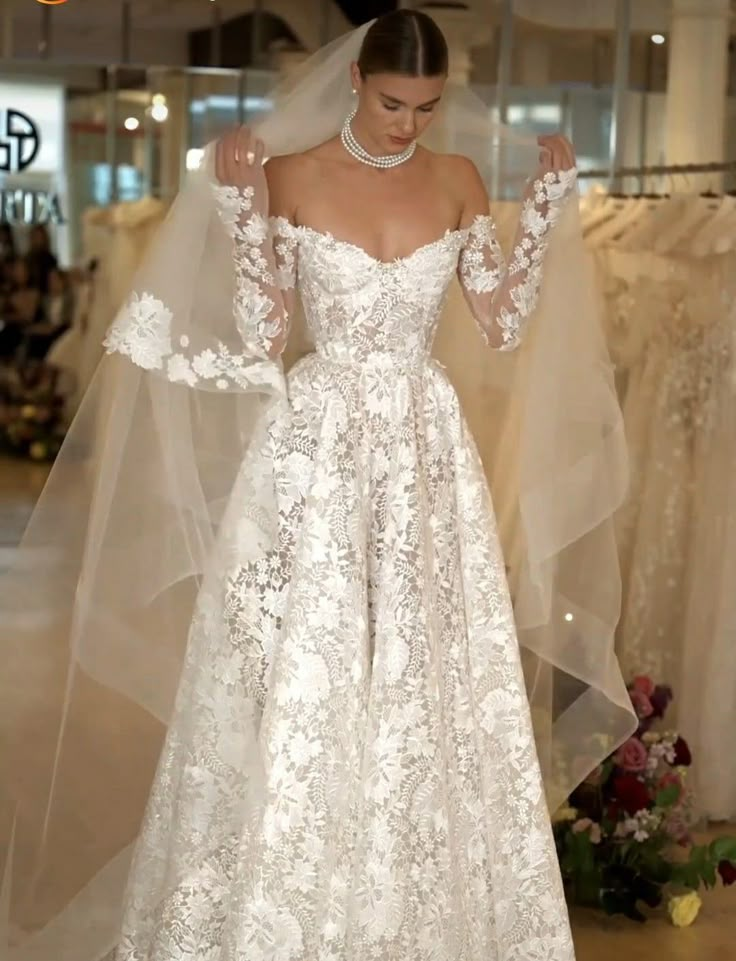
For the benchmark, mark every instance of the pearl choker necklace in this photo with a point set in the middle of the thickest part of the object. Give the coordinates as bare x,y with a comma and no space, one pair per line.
355,150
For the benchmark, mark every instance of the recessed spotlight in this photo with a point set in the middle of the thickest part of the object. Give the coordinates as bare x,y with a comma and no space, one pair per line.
159,112
131,123
657,38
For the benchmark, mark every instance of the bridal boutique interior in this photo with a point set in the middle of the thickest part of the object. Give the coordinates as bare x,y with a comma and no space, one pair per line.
119,100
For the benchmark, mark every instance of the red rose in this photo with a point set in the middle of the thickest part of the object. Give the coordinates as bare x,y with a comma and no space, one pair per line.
683,757
632,756
727,871
643,684
642,704
631,793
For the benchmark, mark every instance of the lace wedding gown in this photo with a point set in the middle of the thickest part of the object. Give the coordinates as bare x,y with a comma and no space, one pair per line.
370,660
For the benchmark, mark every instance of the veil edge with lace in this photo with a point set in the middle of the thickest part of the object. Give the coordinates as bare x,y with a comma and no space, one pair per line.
120,540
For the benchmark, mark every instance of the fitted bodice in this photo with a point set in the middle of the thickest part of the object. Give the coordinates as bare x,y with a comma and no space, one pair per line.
358,307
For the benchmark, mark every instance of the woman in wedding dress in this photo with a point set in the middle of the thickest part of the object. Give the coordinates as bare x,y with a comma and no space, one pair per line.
350,768
404,815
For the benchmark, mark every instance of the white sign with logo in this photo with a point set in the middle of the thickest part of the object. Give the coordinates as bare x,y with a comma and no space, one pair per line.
32,155
31,114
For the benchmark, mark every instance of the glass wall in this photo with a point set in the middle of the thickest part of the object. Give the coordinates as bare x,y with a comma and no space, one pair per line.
119,134
110,135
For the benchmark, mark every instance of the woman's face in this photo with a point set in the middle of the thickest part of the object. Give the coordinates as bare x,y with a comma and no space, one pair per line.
394,109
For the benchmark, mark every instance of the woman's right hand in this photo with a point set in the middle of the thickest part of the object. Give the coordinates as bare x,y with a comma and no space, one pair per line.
239,159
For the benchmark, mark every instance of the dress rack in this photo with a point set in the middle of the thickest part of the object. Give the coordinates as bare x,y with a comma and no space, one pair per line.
660,170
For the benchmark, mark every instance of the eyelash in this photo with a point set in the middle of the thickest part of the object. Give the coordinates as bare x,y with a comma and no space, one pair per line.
421,109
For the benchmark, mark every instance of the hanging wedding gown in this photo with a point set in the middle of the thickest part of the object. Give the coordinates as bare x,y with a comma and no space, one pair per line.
369,659
117,237
671,332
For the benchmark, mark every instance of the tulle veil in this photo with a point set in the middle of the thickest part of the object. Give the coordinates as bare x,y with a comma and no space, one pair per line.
96,606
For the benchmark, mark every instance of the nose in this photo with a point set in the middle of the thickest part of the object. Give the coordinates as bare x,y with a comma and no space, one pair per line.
408,126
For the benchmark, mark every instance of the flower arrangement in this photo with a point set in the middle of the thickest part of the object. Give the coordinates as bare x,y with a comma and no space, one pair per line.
624,838
31,411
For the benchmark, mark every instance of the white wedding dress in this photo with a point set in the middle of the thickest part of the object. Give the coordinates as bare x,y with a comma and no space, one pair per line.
370,661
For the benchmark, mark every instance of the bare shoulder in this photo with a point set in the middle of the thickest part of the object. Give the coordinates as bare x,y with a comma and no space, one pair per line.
466,180
291,177
287,176
461,180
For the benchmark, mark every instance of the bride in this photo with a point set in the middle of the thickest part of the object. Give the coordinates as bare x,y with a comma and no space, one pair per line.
349,770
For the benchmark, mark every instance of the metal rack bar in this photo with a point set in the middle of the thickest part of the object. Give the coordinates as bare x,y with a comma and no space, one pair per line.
704,168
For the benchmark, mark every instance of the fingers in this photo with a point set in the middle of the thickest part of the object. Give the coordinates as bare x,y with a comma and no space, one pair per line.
259,152
236,153
557,152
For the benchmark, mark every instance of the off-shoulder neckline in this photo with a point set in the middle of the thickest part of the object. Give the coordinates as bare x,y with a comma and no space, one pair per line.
285,225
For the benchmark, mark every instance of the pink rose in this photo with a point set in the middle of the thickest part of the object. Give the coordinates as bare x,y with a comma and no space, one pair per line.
632,756
582,824
643,684
642,705
589,826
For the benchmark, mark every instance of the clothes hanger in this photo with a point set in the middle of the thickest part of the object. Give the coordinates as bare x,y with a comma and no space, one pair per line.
625,217
694,211
601,214
659,210
705,238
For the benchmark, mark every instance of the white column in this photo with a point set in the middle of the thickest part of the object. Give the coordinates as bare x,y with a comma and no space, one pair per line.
173,85
696,86
463,31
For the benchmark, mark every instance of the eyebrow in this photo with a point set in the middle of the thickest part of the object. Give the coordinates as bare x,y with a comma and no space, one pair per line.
429,103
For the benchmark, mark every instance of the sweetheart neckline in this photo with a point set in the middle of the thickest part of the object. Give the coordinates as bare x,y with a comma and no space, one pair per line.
328,235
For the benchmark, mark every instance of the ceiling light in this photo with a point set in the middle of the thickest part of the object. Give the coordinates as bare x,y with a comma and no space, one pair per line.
132,123
657,38
195,156
159,112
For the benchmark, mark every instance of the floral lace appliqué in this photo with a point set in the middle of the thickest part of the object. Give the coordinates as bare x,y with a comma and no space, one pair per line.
142,331
262,273
503,296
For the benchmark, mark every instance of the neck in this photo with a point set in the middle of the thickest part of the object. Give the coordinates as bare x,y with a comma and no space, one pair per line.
366,141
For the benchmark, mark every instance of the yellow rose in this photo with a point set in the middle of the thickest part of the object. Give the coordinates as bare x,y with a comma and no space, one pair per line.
564,813
684,909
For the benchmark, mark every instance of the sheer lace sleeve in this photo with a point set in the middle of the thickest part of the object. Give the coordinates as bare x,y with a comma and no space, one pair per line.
502,295
265,270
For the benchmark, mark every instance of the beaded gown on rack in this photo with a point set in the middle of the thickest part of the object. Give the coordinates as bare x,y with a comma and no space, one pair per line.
370,659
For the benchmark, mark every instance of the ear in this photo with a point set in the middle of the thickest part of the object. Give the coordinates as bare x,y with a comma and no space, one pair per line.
355,79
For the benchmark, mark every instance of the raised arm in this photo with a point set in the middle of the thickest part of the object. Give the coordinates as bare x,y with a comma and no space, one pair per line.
265,263
502,294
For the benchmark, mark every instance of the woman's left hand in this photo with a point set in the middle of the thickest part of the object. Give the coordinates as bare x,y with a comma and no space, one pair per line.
557,152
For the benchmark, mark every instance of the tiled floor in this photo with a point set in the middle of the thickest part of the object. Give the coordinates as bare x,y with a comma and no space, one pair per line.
711,938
